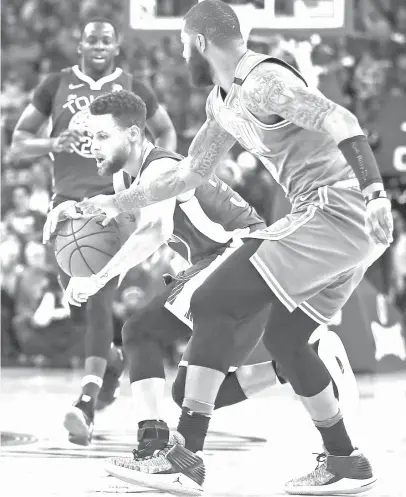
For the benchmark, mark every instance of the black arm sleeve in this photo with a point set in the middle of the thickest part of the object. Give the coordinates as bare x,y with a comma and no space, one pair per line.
45,92
148,95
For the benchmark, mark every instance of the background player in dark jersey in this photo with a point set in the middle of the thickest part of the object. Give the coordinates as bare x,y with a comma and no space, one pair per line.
62,100
307,264
206,225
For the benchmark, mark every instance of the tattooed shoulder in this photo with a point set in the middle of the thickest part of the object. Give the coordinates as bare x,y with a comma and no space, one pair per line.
273,90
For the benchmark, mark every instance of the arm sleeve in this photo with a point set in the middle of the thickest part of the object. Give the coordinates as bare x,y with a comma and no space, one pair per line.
148,95
45,92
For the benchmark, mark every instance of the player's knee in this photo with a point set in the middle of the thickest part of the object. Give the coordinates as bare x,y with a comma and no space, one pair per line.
282,346
178,387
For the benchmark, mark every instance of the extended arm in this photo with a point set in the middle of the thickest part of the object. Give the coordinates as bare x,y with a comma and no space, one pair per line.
209,146
154,228
274,90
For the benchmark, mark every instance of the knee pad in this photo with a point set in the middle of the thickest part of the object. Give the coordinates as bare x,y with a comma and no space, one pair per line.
178,387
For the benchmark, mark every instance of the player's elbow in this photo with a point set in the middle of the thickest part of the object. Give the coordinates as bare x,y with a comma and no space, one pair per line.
342,124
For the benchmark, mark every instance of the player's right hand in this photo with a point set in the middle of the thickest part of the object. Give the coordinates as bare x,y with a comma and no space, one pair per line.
65,141
59,213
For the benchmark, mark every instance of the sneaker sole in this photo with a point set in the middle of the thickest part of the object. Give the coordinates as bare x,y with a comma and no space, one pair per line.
344,486
75,423
175,483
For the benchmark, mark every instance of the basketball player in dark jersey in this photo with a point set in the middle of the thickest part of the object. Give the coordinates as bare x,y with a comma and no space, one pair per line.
204,227
307,264
62,99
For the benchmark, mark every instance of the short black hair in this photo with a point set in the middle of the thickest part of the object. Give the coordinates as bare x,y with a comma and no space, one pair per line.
127,108
98,19
215,20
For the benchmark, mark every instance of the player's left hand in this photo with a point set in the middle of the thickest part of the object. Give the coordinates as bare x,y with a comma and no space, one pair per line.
80,289
100,204
379,221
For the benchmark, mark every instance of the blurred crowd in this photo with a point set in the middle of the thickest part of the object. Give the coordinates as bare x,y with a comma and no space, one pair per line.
39,36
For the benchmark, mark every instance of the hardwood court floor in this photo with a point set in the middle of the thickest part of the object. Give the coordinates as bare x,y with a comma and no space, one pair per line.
252,449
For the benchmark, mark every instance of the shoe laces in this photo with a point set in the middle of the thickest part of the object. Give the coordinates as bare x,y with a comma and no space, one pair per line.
321,459
139,455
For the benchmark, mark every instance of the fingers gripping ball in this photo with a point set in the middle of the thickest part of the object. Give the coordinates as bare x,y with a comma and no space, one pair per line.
84,246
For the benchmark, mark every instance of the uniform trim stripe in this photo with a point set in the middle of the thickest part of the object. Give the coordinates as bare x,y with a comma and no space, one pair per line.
188,249
288,230
231,369
184,319
273,283
203,223
312,313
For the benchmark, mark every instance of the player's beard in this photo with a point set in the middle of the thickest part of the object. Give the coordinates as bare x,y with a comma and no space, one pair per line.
117,162
200,70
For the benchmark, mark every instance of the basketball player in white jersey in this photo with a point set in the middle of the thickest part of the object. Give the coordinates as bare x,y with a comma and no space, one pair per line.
307,264
203,227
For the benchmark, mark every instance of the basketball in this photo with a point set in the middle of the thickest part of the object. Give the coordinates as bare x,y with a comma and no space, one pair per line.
84,246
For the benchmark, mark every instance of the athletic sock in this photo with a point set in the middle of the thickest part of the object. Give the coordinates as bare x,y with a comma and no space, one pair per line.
193,426
92,381
336,439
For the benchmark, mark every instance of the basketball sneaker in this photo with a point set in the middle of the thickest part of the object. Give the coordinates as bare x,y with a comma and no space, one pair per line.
110,388
79,421
335,475
173,469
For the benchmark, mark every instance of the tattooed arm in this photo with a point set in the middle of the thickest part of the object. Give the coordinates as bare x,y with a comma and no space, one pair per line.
209,146
271,89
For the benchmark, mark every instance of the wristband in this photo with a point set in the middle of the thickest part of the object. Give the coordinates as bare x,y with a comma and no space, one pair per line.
374,195
360,157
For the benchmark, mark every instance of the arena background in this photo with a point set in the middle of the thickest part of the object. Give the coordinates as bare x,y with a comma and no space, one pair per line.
355,51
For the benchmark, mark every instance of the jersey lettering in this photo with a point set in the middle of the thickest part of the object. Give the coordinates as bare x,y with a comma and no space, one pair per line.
80,103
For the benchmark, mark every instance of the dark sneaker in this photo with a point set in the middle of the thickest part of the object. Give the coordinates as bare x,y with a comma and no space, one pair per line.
335,475
79,421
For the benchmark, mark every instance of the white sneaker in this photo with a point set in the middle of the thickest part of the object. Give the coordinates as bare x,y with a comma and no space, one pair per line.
173,469
335,475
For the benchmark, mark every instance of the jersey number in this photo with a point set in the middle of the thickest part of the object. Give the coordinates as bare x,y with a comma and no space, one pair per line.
84,148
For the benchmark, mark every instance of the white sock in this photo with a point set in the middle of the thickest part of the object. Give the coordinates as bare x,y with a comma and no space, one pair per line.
148,397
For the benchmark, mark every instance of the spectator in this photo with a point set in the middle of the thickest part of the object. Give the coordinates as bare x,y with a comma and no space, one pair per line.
21,221
41,316
40,195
